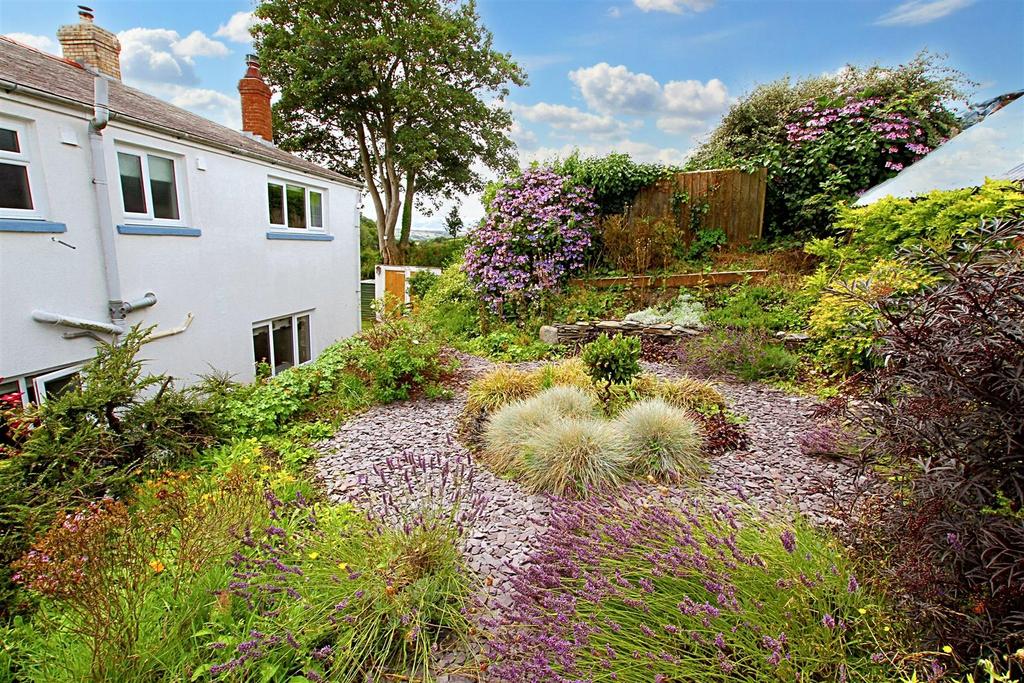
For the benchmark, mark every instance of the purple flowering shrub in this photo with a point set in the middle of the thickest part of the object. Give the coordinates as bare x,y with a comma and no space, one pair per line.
646,589
332,593
537,233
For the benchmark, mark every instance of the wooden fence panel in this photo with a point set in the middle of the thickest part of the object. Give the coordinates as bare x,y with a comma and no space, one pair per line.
734,199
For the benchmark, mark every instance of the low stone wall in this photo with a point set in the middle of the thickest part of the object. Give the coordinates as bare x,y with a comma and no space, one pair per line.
583,331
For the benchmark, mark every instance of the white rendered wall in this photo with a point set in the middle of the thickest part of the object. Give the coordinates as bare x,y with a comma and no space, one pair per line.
228,278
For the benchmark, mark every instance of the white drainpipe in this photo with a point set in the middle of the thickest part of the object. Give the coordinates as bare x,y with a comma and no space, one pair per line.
116,306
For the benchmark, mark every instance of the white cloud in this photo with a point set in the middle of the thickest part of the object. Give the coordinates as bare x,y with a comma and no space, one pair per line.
159,55
641,151
570,119
197,44
522,136
615,89
211,104
614,12
917,12
678,125
41,43
237,28
694,97
673,6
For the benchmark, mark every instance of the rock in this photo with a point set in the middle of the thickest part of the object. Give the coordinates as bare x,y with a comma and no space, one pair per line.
549,334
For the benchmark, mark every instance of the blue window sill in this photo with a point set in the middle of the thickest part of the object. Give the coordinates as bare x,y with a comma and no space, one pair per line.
302,236
28,225
172,230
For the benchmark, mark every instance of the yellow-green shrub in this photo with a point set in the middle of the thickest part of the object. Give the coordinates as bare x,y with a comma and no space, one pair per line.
842,323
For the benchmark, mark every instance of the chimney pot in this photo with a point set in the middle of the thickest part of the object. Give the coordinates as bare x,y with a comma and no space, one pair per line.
89,44
255,95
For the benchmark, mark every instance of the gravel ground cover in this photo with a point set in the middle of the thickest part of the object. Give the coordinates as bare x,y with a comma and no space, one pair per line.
416,439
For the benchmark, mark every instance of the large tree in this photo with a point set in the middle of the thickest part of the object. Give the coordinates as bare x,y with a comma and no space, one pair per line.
406,94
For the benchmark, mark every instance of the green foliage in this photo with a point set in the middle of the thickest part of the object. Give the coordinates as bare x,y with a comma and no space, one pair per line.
451,307
440,252
124,590
266,407
510,344
705,240
867,234
112,423
823,139
842,326
421,282
615,179
369,248
756,307
612,360
414,89
662,441
748,355
453,222
404,358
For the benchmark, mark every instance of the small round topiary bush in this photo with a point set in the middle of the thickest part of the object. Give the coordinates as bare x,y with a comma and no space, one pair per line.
508,430
661,441
570,457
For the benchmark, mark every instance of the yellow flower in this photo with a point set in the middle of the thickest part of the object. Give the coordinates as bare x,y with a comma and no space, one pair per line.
265,468
862,610
156,565
314,555
886,629
343,566
947,649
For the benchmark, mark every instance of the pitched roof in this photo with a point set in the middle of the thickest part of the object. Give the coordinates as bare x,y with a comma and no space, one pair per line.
41,74
992,148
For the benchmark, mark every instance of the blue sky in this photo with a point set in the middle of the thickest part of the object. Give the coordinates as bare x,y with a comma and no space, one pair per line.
648,77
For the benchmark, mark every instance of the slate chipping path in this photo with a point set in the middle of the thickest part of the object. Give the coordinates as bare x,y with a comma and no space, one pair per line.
771,472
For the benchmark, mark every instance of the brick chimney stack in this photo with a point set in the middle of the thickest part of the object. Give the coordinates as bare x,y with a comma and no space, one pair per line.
255,94
87,43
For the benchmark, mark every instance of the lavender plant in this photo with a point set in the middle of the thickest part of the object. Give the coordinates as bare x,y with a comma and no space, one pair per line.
537,233
326,592
634,588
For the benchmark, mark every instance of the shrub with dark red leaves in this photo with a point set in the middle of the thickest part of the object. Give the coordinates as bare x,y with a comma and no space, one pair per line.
948,407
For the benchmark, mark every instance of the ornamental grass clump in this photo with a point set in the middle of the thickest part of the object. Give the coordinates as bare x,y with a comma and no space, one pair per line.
501,387
662,442
652,590
509,429
574,457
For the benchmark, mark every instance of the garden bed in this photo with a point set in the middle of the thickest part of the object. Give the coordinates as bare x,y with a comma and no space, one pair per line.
359,464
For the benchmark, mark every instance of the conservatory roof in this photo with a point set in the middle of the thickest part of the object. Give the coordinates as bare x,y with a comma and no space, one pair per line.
992,148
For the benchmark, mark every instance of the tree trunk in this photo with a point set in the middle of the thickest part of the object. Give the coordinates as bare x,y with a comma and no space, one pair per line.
406,234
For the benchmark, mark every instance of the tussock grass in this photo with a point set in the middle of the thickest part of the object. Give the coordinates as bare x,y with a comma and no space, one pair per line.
572,456
661,441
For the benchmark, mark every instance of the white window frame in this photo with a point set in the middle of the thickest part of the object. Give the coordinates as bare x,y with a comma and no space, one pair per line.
23,158
144,153
39,381
283,183
269,324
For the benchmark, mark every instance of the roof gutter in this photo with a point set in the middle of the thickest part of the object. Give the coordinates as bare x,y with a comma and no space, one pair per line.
29,91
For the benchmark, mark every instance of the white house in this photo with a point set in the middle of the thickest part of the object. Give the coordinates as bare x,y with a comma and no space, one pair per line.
118,208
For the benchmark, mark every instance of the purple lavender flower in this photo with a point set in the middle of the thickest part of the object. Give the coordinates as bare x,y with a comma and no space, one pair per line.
788,539
852,585
828,621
